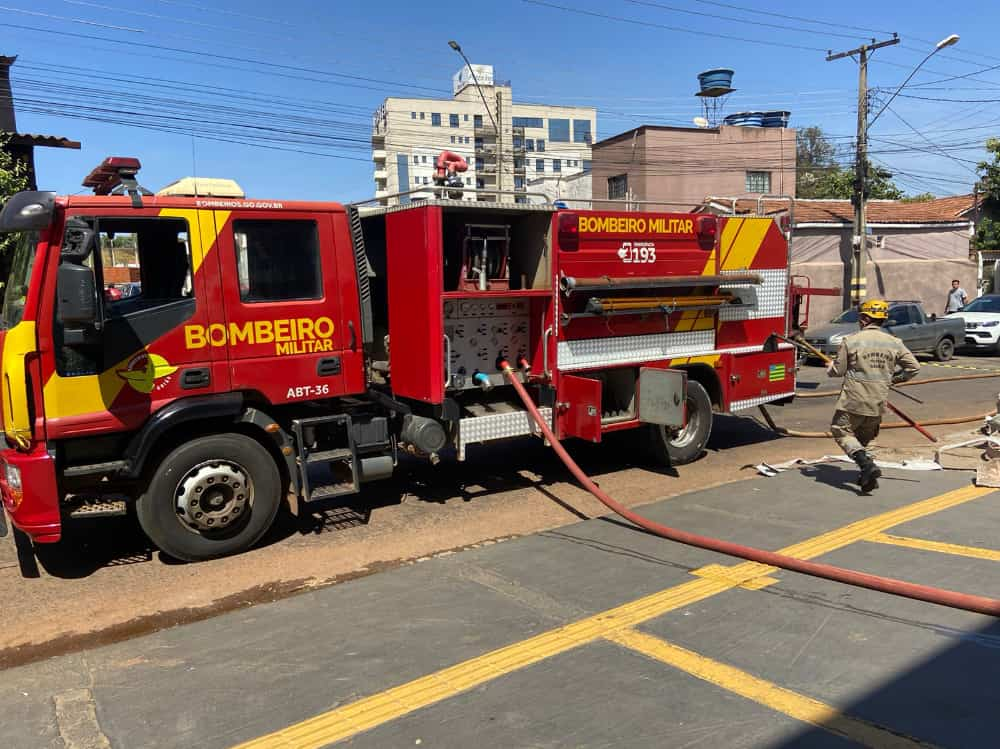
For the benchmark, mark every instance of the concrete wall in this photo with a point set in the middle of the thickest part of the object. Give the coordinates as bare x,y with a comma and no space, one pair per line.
892,272
688,164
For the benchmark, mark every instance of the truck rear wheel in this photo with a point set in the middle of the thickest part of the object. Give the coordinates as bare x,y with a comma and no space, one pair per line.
680,446
944,350
210,497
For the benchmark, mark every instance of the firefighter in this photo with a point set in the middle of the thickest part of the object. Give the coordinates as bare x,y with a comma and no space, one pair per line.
869,361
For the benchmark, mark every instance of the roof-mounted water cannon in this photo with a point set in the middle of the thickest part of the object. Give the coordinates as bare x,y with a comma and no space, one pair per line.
115,176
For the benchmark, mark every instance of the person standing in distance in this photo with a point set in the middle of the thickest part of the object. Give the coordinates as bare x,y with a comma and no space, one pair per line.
869,361
957,298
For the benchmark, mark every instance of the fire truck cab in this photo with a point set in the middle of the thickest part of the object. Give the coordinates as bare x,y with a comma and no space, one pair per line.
267,347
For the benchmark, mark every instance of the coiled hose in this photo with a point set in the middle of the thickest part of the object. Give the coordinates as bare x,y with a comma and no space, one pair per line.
940,596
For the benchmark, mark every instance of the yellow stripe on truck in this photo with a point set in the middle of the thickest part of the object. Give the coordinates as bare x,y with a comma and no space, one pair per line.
204,227
17,344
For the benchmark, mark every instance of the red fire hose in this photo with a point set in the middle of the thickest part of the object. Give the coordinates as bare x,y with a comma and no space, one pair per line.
977,604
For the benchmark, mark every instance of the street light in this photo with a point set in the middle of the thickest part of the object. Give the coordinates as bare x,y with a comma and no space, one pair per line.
455,46
948,41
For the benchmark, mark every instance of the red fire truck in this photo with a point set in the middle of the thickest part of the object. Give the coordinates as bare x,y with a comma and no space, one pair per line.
271,347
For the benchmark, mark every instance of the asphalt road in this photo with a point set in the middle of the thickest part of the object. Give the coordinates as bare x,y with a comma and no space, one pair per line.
106,584
590,635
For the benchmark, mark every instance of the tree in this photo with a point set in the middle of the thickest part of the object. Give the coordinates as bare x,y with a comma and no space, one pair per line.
988,230
820,176
13,179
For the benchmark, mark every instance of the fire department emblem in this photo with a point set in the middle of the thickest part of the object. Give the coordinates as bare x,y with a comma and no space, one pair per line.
146,372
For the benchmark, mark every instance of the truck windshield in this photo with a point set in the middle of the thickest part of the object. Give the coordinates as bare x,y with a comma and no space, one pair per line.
20,276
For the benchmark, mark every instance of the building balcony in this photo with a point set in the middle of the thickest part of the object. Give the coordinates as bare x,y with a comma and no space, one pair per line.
381,193
381,174
378,154
378,137
485,131
487,169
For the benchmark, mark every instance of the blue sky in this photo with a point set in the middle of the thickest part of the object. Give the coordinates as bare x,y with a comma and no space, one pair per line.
305,77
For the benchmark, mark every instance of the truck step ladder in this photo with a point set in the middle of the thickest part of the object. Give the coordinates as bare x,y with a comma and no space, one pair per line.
326,457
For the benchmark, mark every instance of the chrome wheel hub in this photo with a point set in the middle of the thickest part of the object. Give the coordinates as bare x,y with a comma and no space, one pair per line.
213,496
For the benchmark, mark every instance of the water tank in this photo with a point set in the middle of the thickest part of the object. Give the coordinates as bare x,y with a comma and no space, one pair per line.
715,79
776,119
745,119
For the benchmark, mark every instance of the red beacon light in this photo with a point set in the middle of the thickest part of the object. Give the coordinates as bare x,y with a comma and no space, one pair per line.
708,230
568,231
116,175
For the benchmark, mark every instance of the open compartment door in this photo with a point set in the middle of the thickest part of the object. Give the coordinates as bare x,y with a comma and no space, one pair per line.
662,396
579,408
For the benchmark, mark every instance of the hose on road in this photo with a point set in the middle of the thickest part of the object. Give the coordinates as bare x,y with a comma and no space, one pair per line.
954,599
888,425
910,383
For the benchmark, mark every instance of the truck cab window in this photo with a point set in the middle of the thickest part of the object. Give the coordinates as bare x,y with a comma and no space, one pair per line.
277,260
145,263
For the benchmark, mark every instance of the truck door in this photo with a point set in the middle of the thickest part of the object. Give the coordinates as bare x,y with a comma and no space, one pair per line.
114,377
282,326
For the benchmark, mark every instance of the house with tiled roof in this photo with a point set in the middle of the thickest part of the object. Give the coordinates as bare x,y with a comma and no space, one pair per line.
22,145
914,249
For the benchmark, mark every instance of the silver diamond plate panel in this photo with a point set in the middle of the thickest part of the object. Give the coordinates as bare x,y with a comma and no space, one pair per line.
751,402
497,427
771,297
596,352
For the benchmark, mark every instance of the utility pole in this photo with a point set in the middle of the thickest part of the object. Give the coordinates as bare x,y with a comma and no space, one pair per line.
859,240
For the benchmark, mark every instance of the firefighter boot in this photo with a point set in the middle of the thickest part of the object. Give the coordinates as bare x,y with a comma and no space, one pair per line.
870,473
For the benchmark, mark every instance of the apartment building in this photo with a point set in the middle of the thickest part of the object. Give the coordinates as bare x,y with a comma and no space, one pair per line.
687,164
506,143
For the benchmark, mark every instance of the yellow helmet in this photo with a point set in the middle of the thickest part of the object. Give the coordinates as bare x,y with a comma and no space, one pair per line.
876,309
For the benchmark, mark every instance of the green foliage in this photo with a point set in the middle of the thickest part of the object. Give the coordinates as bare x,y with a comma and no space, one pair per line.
820,176
13,179
988,231
923,197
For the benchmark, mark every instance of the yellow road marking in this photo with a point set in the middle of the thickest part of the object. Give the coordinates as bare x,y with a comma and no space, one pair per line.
764,692
919,543
369,712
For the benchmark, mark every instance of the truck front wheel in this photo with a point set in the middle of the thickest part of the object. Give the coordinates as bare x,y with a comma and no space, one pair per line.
210,497
680,446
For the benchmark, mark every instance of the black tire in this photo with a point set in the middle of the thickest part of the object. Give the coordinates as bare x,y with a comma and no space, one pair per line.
208,474
944,350
677,448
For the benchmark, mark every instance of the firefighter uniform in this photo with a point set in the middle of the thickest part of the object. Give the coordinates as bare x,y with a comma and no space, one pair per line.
869,361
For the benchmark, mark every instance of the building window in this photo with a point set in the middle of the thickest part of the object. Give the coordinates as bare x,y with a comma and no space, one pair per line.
424,158
416,180
425,180
453,139
529,144
581,131
618,187
527,122
413,115
518,163
539,165
416,159
540,144
758,182
480,184
436,119
421,115
480,162
278,260
479,144
518,183
465,118
586,166
477,121
468,180
556,165
518,142
453,120
559,131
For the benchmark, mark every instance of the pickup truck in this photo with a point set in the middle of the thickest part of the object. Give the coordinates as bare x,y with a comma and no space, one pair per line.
907,321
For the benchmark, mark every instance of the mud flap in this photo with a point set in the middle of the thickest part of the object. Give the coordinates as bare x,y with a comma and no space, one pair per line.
662,396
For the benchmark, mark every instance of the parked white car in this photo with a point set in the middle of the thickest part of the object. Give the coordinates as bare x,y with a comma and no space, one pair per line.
982,323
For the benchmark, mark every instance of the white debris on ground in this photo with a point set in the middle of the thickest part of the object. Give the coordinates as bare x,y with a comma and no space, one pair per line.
918,464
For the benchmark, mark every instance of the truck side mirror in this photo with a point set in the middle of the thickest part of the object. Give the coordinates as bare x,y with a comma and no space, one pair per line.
76,286
933,316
